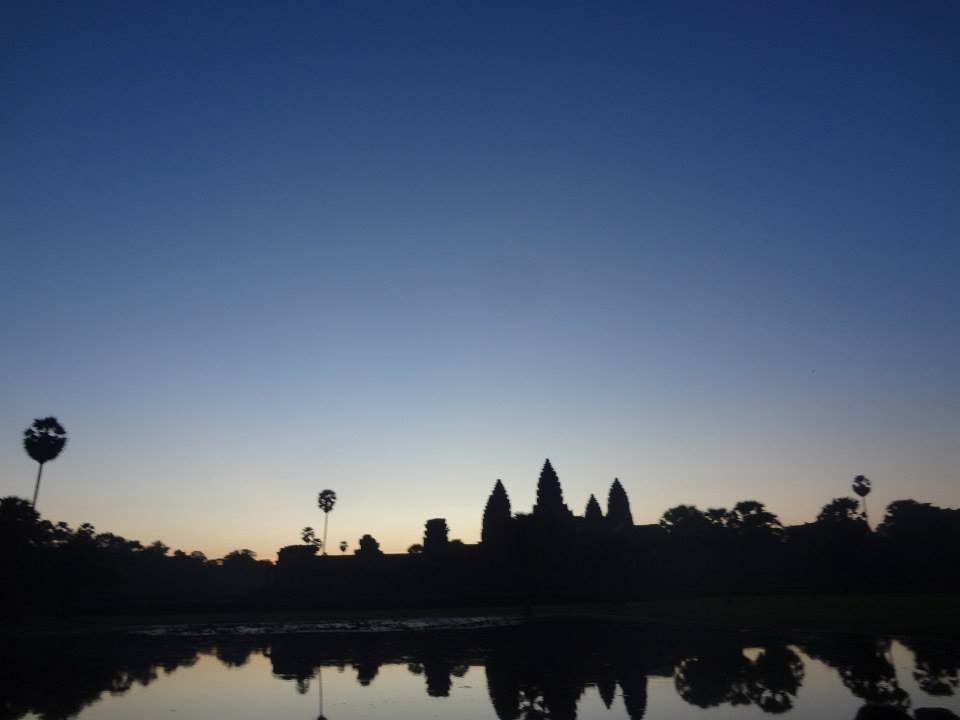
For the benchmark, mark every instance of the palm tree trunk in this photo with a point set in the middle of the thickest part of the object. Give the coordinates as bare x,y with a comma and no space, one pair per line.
36,488
865,515
325,516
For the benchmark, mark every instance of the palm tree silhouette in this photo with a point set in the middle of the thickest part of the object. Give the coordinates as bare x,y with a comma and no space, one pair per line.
861,486
326,501
43,441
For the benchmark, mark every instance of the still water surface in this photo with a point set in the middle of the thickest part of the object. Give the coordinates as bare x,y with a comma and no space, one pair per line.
561,670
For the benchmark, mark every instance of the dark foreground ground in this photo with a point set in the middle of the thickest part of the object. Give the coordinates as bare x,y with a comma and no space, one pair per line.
923,614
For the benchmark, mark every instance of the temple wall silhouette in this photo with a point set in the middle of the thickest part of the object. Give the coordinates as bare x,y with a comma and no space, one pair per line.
547,555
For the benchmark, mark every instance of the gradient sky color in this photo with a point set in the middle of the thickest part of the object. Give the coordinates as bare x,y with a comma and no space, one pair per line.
400,250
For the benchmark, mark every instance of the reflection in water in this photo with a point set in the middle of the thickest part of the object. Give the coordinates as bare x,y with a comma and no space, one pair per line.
863,666
721,674
776,676
936,665
367,669
533,671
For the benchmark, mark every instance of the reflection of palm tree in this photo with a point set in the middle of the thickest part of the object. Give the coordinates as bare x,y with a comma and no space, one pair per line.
43,441
320,691
326,501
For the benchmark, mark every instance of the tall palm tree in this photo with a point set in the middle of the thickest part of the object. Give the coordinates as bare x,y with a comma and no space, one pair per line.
43,441
861,486
325,501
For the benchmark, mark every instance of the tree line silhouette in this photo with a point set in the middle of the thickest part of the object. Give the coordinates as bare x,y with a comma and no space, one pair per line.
546,555
534,670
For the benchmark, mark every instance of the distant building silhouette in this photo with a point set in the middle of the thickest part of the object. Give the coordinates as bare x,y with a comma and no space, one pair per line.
618,506
435,536
550,510
593,514
496,517
368,547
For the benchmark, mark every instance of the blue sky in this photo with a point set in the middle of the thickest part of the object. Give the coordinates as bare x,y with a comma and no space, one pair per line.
403,249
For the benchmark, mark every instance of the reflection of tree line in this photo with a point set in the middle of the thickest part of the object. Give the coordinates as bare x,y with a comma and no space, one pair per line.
724,675
538,670
58,679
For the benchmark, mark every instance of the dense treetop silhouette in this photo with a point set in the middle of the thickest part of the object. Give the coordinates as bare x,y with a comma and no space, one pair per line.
521,558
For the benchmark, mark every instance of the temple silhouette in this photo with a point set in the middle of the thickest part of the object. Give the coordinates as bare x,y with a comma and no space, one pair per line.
547,555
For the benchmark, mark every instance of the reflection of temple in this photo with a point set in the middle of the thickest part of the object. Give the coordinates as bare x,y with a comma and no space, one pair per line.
546,672
536,670
541,670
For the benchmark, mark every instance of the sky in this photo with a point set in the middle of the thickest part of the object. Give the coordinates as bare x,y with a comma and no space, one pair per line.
399,250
